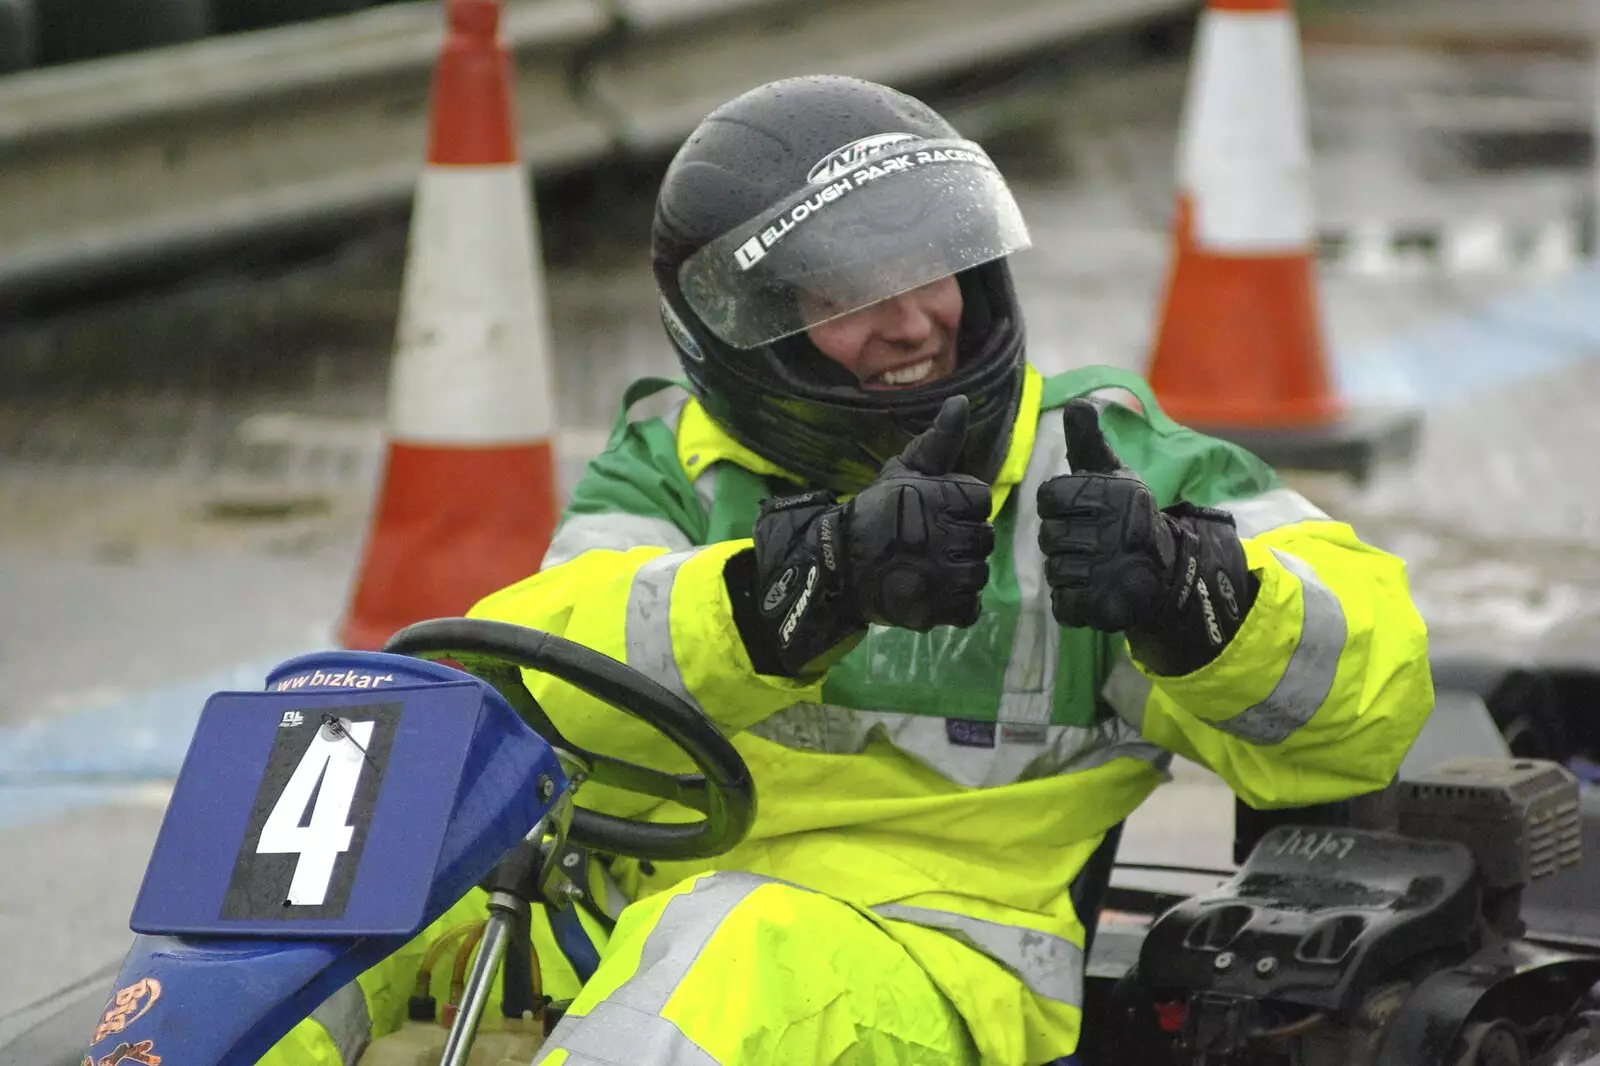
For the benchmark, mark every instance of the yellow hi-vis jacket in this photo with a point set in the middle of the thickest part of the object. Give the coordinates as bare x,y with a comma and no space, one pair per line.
954,782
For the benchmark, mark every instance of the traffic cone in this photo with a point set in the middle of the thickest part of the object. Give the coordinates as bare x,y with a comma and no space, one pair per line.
468,497
1239,350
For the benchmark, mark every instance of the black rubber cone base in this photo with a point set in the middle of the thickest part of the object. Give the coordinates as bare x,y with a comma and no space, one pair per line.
1355,445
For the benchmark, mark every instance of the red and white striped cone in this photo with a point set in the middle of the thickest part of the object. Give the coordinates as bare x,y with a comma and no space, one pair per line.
468,499
1239,352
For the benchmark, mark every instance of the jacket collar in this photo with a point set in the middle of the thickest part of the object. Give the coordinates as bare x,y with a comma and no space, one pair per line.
701,442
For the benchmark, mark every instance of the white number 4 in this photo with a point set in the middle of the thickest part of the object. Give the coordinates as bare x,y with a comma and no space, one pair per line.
337,764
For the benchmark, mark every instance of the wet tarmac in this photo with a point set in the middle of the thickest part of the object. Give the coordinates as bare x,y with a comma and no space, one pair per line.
184,475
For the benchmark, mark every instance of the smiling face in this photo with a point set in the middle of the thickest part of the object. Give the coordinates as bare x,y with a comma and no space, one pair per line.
898,343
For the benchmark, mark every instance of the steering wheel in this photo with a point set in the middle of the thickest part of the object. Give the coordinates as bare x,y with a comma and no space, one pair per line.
723,790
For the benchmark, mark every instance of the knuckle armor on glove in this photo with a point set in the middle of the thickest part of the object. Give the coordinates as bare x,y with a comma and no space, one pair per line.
919,548
1174,581
910,551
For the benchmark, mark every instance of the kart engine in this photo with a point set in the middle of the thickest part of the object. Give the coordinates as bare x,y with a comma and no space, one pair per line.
1359,947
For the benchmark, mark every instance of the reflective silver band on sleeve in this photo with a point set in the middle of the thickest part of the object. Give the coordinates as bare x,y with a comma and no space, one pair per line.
1308,678
648,628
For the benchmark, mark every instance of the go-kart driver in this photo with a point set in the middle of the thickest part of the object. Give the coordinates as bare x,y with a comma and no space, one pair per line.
955,615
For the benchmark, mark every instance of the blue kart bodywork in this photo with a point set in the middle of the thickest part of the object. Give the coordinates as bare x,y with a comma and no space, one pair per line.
452,779
228,958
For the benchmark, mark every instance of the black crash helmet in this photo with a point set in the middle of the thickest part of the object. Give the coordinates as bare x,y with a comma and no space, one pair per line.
833,193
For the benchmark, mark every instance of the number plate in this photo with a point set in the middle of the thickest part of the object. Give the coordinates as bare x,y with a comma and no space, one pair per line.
311,813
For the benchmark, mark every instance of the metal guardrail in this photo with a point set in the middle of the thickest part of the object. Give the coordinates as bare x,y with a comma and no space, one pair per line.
120,162
657,84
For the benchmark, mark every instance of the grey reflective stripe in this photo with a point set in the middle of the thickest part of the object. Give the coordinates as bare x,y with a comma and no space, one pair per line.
615,1035
705,487
1127,690
648,629
1308,678
627,1028
1021,756
344,1016
1030,673
614,532
1051,966
1120,740
1271,510
681,933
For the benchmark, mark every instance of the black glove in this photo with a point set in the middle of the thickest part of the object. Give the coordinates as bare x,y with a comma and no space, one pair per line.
1174,581
911,550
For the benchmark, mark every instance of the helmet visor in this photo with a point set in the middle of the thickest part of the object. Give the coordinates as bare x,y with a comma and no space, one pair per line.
898,220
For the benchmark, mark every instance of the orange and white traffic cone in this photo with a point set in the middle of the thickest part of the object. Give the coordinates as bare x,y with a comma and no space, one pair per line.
1239,351
468,499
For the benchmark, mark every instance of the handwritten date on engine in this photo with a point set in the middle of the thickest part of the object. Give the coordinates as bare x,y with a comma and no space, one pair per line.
1310,844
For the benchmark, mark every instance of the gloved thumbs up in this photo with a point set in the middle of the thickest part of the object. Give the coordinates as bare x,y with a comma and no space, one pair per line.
919,536
910,550
1173,580
936,449
1087,450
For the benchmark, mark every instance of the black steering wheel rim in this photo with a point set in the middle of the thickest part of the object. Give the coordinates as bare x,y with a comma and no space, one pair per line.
722,791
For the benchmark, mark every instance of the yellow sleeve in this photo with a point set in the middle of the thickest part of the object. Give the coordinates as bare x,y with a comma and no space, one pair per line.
665,613
1321,692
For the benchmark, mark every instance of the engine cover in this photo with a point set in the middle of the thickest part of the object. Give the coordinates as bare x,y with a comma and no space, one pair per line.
1315,917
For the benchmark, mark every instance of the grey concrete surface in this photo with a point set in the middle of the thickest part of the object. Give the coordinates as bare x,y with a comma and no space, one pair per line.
184,479
69,888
